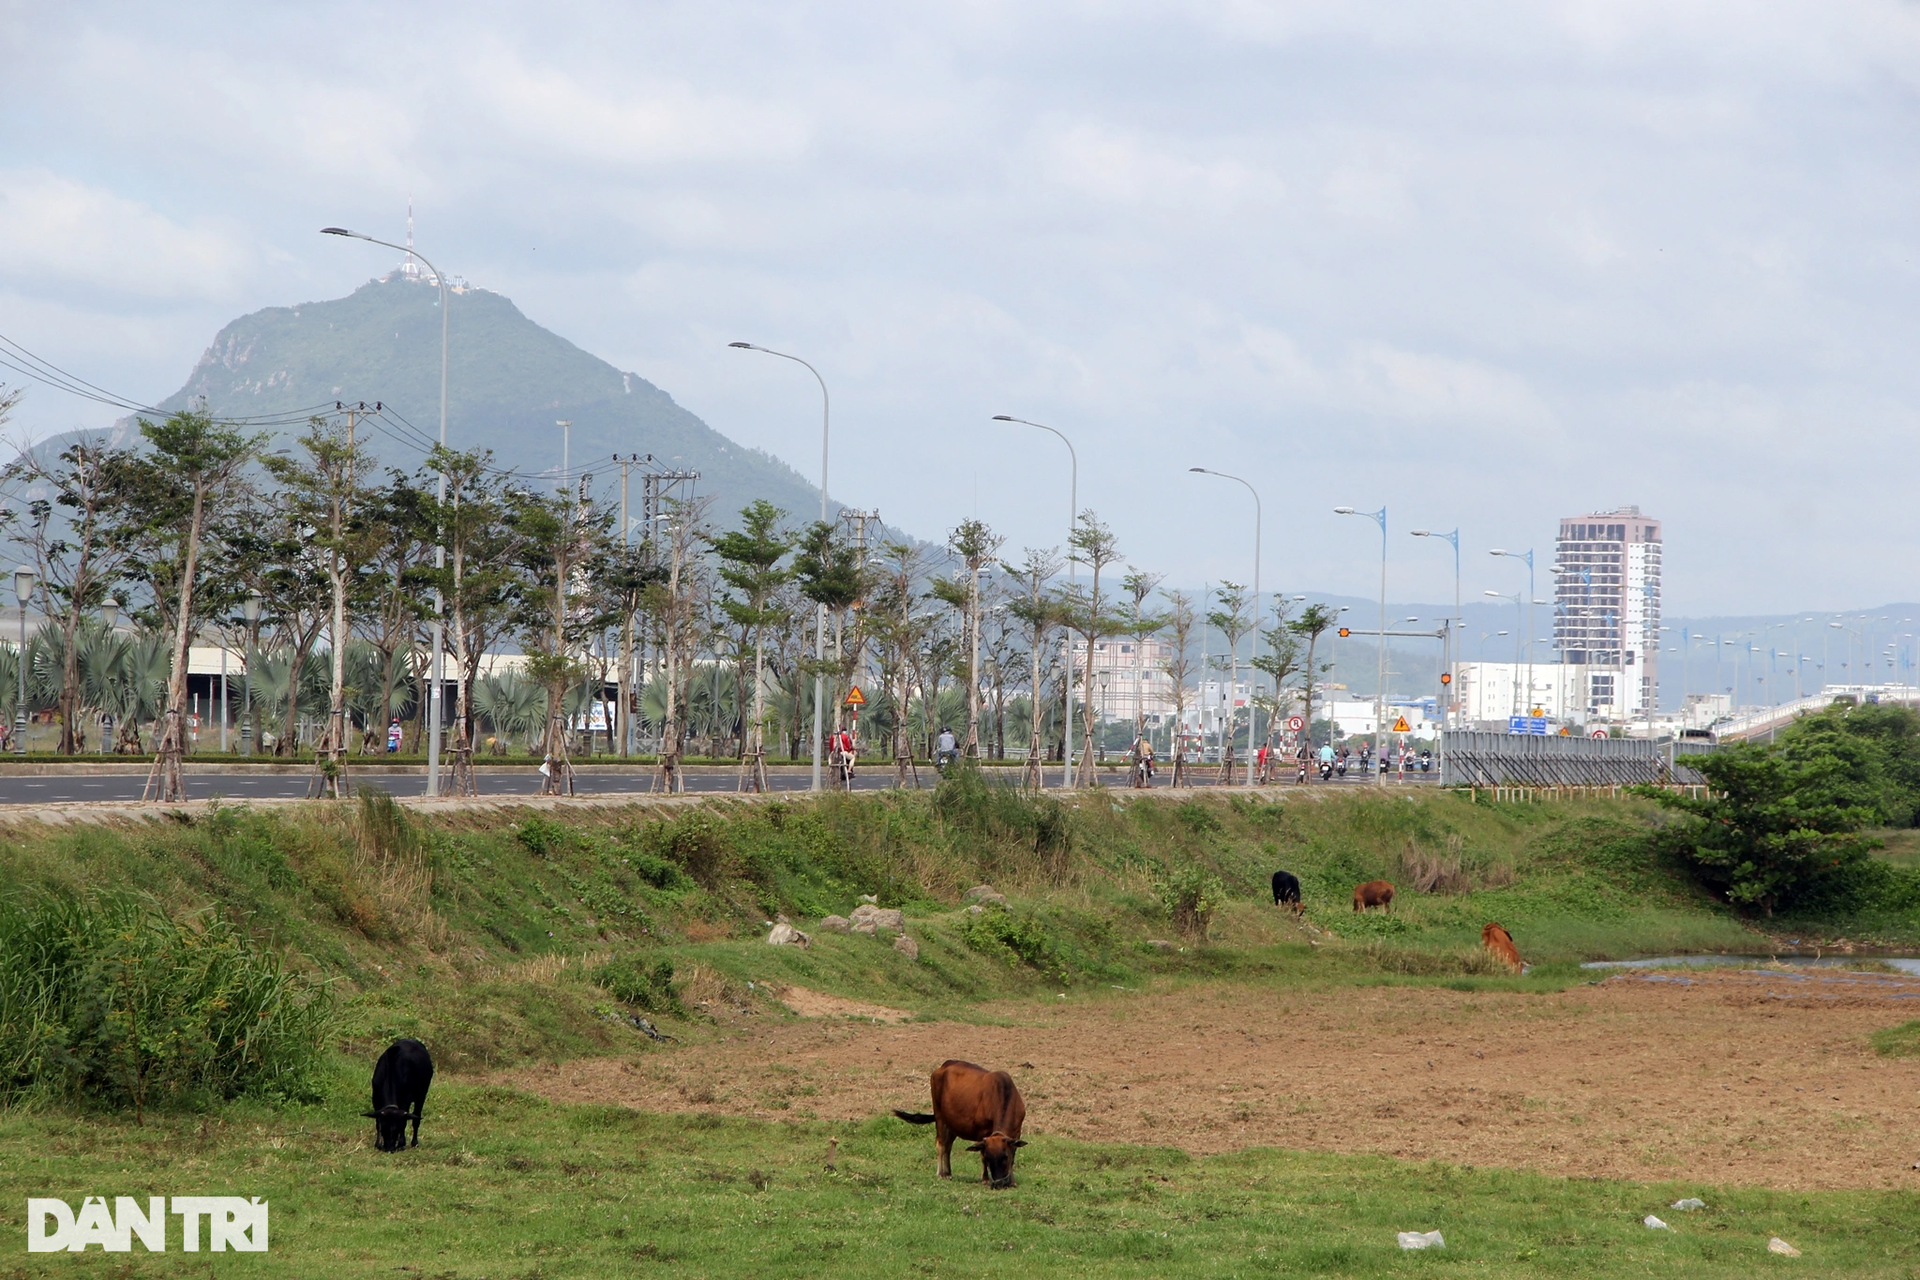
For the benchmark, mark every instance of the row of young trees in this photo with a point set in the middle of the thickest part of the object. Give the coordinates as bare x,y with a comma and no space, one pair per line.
315,554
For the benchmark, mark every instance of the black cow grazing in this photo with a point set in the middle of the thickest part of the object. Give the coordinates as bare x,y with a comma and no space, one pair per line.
400,1082
1286,888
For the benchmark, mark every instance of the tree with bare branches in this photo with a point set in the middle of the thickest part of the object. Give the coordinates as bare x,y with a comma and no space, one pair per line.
1089,613
1233,620
1180,667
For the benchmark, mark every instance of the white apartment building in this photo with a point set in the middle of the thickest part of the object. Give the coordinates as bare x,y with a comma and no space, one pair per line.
1606,599
1129,677
1491,692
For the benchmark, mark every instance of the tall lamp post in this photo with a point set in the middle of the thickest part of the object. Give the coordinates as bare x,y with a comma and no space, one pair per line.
22,592
110,615
820,623
1066,635
250,610
1515,555
440,496
1251,709
1380,695
1518,617
1453,632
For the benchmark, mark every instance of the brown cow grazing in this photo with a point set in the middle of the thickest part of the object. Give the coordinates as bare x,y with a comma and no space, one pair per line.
1497,940
975,1103
1374,893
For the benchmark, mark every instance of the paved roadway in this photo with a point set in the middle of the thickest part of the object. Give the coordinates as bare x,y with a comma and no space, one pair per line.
53,788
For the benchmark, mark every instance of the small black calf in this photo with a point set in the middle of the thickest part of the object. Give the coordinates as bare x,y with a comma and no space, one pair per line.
1286,888
400,1081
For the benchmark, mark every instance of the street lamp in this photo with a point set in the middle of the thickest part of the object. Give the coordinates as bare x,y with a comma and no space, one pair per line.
23,592
1256,616
1515,555
820,624
1452,631
1515,597
250,609
438,674
1066,636
1380,696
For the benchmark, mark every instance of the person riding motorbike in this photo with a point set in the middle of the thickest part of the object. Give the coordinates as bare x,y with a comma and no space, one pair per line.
946,749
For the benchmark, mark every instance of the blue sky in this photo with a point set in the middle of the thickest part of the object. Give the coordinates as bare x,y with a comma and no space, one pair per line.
1488,263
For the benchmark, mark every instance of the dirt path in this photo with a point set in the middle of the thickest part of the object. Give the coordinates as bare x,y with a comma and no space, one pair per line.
1749,1077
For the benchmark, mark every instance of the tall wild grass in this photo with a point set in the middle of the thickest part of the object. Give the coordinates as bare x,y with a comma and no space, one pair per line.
106,1000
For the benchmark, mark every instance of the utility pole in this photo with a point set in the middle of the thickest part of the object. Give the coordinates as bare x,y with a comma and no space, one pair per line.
625,716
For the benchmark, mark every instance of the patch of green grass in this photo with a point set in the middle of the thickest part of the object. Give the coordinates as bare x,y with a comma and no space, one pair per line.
454,927
1902,1041
506,1186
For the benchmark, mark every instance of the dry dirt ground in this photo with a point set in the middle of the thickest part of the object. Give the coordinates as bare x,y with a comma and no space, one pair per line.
1750,1077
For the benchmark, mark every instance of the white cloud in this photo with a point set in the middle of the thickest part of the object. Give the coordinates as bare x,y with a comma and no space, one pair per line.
60,235
1497,257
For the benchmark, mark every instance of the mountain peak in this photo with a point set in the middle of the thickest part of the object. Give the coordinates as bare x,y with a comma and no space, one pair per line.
509,381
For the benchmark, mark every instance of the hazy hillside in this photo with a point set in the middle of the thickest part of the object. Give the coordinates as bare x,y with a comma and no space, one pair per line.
510,380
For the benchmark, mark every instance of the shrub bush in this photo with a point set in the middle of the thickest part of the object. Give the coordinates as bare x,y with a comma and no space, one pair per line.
636,981
1016,939
109,1001
1190,895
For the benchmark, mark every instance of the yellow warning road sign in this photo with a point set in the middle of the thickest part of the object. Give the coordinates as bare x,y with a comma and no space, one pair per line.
1401,725
855,698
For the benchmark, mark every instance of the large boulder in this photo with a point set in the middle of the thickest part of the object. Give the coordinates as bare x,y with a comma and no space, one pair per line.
785,935
875,918
835,924
907,947
984,893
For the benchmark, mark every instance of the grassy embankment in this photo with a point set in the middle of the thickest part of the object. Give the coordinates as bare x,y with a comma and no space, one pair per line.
482,934
486,936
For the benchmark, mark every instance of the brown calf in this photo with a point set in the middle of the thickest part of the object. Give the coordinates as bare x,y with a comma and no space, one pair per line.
1497,940
980,1105
1374,893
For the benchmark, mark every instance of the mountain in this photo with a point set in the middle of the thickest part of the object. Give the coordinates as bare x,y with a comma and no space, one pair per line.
509,381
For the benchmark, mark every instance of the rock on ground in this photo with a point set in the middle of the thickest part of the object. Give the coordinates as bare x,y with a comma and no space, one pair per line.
785,935
907,947
891,918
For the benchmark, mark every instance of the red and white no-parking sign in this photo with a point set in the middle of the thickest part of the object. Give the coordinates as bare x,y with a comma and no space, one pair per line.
1599,733
1295,723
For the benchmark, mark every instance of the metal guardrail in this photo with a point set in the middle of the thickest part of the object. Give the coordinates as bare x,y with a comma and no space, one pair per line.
1470,758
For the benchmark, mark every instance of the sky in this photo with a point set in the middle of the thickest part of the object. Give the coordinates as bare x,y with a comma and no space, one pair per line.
1485,264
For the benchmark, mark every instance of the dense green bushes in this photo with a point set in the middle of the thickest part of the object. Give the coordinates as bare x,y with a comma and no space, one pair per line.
1783,824
108,1000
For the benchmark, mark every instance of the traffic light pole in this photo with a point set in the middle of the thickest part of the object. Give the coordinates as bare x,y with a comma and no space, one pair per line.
1439,634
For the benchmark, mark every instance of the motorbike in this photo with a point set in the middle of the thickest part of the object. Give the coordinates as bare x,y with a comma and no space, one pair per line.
1340,766
1326,771
1303,771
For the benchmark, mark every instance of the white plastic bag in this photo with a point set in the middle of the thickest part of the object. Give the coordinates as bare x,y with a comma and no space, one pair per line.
1421,1240
1654,1224
1689,1204
1777,1245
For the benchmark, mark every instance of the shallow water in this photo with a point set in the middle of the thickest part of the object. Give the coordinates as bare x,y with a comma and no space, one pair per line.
1905,964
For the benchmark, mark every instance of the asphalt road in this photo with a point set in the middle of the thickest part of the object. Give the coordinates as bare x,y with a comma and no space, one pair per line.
69,788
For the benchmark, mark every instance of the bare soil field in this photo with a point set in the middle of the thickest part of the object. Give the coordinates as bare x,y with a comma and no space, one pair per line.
1751,1077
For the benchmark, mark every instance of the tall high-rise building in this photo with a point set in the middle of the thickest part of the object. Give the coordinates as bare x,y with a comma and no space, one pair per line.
1607,607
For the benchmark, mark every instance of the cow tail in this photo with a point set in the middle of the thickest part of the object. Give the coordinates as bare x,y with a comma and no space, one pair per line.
914,1117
